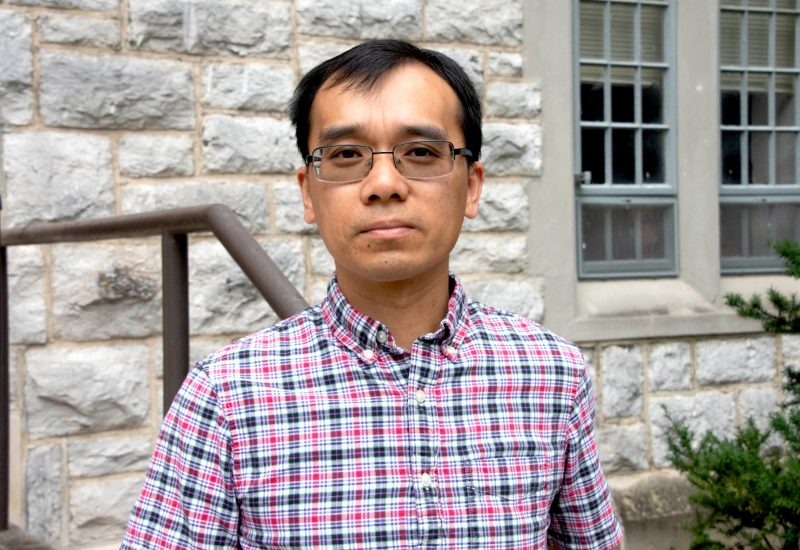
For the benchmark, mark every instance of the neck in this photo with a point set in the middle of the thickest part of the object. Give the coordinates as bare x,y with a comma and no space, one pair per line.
408,308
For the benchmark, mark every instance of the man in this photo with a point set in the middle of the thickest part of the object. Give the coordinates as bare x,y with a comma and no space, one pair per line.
397,413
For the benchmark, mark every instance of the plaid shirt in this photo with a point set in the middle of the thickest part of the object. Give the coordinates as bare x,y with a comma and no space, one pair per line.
319,433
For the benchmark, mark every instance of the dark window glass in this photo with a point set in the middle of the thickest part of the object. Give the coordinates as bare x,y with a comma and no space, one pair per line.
653,156
731,158
593,156
623,160
593,231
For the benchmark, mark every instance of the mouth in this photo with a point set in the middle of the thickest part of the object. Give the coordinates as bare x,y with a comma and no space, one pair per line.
387,229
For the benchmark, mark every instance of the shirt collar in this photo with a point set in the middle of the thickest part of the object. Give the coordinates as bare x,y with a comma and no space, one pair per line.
360,332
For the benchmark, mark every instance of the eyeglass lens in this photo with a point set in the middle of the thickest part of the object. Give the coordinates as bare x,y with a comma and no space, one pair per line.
416,159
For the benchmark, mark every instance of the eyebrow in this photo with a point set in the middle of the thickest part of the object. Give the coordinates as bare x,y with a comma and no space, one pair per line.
427,131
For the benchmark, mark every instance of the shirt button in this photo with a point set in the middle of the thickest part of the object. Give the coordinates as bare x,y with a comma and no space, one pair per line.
381,337
369,354
426,481
420,396
450,350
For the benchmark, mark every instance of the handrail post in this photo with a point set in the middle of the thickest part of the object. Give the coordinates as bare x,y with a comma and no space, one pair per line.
175,317
5,400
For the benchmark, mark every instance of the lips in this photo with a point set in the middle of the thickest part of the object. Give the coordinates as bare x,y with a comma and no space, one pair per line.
387,228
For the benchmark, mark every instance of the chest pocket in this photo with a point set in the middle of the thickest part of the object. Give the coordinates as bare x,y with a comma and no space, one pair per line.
510,478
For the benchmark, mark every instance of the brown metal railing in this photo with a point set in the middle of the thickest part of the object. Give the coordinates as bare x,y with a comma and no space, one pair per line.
173,226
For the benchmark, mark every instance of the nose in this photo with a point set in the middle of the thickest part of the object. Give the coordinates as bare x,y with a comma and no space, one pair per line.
383,182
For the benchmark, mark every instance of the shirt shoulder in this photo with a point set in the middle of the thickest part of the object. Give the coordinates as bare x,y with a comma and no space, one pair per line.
499,331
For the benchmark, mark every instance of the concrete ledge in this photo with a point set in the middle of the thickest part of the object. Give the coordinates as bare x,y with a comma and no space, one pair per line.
653,508
17,539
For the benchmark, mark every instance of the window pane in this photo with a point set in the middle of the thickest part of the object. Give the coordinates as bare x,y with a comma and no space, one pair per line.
786,157
784,100
592,105
623,234
653,156
730,38
623,158
784,40
622,97
731,2
785,4
593,231
652,96
759,157
758,231
622,32
652,33
653,232
593,156
758,3
786,218
758,39
731,228
591,17
731,158
730,108
758,99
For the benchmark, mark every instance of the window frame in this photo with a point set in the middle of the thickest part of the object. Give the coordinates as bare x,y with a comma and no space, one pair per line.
639,193
691,303
770,192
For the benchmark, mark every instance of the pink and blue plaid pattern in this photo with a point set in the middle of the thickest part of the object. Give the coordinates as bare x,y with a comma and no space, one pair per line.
319,433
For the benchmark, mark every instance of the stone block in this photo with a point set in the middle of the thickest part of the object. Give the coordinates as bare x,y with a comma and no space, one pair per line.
360,19
311,54
734,361
99,509
16,68
44,491
251,145
469,60
623,381
503,207
56,177
212,26
513,100
202,347
489,254
491,22
223,300
670,367
758,404
71,390
623,448
247,200
152,156
590,363
322,263
248,87
27,310
505,64
103,291
790,345
100,456
87,91
85,5
79,31
289,208
701,412
524,297
512,149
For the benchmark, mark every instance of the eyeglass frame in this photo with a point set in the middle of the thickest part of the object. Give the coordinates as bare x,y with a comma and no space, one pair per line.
454,152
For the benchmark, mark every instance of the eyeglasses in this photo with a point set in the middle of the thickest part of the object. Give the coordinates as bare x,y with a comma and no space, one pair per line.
413,159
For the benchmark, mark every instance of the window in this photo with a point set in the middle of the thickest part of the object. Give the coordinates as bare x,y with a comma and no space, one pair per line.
760,124
626,192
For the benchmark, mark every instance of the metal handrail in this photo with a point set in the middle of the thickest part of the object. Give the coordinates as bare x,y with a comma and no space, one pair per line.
173,227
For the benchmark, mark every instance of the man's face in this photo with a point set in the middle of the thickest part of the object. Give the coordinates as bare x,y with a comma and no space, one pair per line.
387,227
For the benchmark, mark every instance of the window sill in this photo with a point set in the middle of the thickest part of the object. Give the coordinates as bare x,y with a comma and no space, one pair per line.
660,308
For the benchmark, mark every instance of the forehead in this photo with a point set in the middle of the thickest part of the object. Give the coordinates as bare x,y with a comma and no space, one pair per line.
407,97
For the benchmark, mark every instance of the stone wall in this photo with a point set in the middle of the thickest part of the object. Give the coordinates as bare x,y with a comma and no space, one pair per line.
122,106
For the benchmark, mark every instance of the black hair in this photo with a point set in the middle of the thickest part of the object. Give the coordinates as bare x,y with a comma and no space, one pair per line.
363,66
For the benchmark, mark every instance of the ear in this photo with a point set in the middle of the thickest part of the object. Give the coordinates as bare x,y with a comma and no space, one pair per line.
474,187
308,206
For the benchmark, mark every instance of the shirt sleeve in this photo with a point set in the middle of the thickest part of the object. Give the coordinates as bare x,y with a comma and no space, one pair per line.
188,499
581,515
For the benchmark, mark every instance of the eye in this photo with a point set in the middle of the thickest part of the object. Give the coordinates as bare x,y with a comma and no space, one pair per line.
345,153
